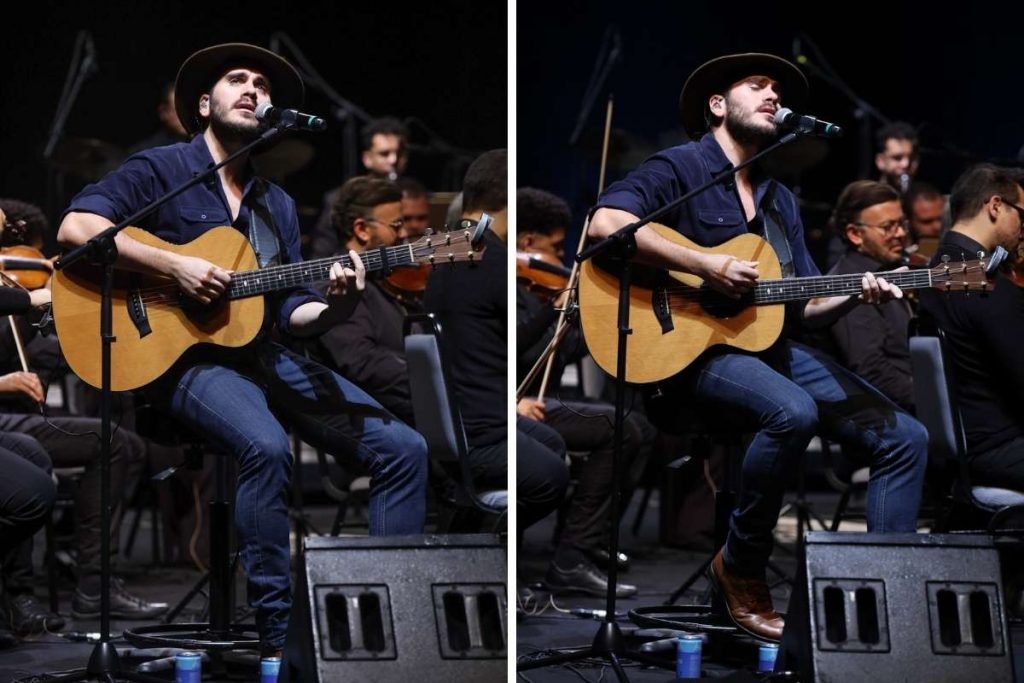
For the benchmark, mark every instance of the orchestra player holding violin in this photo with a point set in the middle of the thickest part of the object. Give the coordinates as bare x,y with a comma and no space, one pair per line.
586,426
66,442
368,346
872,340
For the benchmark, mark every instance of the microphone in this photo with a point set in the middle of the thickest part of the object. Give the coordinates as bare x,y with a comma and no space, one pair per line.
787,118
289,118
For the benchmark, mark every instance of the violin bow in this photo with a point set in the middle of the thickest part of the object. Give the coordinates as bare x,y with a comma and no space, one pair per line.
561,328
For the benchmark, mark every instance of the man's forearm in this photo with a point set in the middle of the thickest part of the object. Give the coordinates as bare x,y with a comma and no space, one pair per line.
311,319
78,228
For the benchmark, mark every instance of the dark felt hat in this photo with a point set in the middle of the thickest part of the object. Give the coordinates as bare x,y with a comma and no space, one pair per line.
204,67
721,72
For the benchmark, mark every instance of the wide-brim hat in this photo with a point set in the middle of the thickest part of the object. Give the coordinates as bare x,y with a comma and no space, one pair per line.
721,72
200,71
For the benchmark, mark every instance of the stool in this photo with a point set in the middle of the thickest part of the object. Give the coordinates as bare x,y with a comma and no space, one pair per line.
218,634
672,419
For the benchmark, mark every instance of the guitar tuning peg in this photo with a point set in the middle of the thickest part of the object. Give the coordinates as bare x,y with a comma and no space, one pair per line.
945,258
428,232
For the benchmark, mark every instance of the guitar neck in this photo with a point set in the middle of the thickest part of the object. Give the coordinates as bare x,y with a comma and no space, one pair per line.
801,288
256,282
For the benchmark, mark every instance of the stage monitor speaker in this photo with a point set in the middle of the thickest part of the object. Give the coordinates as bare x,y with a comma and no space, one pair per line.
406,608
898,607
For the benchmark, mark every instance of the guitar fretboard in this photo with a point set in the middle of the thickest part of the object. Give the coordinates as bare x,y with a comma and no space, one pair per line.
795,289
253,282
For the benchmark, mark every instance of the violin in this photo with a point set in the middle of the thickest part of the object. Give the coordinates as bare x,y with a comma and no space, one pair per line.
26,266
542,274
1015,271
407,284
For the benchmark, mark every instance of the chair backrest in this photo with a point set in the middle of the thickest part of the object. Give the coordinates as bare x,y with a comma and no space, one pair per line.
433,401
435,407
935,408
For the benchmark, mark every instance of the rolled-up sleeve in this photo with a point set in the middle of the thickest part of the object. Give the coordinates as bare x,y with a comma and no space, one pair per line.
294,298
120,193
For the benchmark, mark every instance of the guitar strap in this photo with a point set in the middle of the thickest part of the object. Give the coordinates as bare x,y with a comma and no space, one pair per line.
775,233
263,233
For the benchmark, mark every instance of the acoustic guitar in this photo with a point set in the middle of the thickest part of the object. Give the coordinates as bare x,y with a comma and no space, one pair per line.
155,323
675,317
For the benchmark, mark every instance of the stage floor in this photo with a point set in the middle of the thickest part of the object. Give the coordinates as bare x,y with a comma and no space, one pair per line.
657,571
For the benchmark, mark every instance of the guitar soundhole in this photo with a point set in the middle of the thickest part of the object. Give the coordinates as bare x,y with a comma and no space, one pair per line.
720,306
200,313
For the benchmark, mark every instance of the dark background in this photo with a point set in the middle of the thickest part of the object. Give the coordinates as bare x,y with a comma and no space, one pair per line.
953,71
443,63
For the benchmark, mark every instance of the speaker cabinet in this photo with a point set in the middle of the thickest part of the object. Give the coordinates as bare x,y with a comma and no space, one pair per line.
898,607
423,608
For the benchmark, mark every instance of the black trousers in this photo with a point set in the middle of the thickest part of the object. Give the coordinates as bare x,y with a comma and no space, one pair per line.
83,450
27,495
1002,466
590,427
541,472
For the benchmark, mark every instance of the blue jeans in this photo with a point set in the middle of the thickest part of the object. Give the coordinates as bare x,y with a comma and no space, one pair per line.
238,407
818,396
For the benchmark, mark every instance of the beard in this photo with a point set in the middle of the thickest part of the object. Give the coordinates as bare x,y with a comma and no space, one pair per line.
226,130
745,130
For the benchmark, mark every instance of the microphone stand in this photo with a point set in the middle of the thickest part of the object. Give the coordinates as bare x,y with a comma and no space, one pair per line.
863,111
104,664
608,642
347,113
81,67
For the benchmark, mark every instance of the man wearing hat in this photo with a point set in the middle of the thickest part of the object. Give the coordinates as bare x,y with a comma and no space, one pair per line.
789,392
233,395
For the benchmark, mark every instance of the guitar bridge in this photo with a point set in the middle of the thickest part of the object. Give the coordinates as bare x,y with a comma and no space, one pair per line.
662,309
137,310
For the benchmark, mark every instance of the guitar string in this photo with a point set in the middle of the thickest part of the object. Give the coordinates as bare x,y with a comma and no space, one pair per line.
297,273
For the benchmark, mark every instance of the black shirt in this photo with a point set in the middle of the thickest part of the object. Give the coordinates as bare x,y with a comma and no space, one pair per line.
368,348
872,340
984,333
471,302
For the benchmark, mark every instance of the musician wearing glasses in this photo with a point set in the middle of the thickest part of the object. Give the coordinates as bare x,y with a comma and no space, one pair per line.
983,332
368,347
872,340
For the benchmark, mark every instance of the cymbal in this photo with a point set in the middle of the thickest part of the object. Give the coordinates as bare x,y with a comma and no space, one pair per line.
87,158
284,158
796,157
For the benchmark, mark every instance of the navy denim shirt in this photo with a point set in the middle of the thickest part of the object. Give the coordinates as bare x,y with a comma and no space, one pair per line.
713,216
151,173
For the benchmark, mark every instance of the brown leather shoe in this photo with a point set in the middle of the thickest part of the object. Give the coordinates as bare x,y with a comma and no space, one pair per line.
748,600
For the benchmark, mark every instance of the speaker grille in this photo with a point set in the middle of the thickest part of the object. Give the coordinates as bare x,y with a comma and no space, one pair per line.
965,618
470,620
355,621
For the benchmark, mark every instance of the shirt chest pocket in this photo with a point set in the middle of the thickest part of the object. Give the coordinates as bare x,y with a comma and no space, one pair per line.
202,217
712,219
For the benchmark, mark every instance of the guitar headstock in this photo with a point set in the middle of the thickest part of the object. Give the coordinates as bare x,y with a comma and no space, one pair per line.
968,276
465,243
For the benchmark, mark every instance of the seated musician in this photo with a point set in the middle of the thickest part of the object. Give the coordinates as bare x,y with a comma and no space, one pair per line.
368,347
233,395
788,392
65,442
584,425
872,340
987,204
471,301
